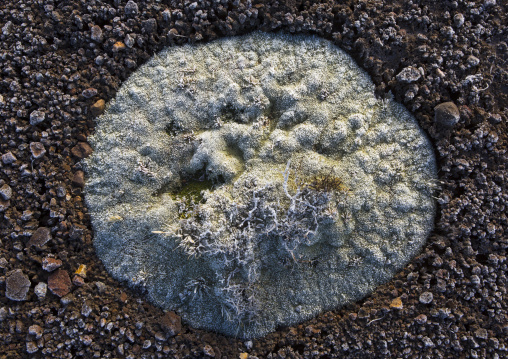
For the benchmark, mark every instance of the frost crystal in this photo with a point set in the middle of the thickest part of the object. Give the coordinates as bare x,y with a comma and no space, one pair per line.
256,181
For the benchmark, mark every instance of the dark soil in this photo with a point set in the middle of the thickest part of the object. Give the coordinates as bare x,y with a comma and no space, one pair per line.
59,58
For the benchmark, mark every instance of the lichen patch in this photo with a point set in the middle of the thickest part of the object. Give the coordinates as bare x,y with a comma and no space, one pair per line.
256,181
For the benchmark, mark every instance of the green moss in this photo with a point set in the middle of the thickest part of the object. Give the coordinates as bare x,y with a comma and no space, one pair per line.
193,190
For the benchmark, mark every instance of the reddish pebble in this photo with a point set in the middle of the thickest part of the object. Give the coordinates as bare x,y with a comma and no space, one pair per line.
49,264
78,281
59,283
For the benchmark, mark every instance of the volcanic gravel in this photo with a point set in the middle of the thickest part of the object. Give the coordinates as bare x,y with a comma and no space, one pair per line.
60,61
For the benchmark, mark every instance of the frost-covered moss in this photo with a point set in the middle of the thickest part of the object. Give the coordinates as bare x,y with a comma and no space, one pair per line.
256,181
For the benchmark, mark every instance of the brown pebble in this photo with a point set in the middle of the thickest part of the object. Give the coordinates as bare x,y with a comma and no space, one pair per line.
446,114
98,108
82,150
40,237
118,46
123,297
171,323
78,281
37,149
59,283
49,264
396,303
78,179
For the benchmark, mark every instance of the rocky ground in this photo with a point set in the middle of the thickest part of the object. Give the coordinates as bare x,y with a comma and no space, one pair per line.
60,60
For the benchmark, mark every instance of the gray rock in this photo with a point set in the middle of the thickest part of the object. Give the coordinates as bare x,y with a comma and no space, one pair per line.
129,41
6,29
86,310
36,330
426,297
37,117
458,20
6,192
481,333
31,347
40,290
17,285
446,114
131,8
40,237
8,158
96,33
89,92
473,61
409,74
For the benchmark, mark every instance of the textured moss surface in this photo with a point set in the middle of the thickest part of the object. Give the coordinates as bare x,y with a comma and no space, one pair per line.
258,181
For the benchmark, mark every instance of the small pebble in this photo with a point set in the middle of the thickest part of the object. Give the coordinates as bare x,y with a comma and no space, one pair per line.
446,114
426,297
208,351
96,33
421,319
473,61
78,281
59,283
85,310
101,287
36,330
31,347
409,74
6,192
98,108
89,92
3,314
78,179
131,8
171,323
49,264
81,271
40,237
396,303
481,333
37,117
458,20
17,285
82,150
8,158
37,149
129,41
40,290
118,46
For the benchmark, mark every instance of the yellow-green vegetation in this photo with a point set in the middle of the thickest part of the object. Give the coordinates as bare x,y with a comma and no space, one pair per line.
326,183
189,194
